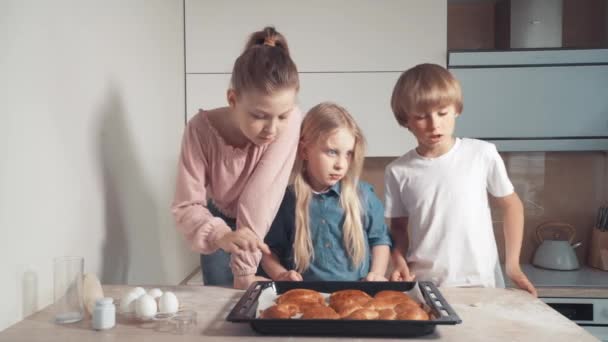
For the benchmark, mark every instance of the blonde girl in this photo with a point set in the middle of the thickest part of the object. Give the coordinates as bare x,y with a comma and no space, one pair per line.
330,225
235,161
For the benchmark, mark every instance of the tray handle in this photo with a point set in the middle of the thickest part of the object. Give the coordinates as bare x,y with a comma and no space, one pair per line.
438,303
242,310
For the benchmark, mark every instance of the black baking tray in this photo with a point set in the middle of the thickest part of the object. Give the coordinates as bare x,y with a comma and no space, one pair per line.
441,311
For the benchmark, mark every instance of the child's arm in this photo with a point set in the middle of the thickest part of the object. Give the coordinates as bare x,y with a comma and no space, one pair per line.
513,227
380,255
378,236
279,237
401,242
204,231
276,271
261,197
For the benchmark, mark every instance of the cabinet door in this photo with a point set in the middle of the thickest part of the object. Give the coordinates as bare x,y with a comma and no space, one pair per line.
367,98
365,95
336,35
536,108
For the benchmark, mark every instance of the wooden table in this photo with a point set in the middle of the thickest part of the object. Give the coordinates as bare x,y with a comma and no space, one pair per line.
487,315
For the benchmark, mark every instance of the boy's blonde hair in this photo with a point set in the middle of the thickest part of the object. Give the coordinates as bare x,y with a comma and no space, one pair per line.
424,88
319,123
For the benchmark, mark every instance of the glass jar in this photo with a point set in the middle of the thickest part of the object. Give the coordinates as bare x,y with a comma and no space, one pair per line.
104,314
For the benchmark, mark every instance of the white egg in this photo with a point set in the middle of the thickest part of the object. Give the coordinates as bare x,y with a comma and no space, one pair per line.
168,303
145,307
155,293
139,290
127,302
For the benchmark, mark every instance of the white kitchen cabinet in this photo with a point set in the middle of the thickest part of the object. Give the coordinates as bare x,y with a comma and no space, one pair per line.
337,35
365,95
348,52
535,100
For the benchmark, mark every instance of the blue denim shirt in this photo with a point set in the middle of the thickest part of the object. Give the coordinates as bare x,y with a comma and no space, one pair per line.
331,261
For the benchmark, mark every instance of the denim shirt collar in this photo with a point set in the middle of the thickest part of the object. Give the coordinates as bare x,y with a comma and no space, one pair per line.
336,189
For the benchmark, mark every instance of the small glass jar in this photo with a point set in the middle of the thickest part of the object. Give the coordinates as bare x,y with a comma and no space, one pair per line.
104,314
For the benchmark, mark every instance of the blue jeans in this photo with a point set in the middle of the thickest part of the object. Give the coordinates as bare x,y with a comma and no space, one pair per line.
216,266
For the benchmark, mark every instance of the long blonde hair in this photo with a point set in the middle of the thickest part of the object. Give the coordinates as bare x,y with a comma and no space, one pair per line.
319,123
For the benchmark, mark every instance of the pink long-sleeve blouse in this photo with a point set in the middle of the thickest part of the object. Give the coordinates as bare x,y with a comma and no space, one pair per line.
245,183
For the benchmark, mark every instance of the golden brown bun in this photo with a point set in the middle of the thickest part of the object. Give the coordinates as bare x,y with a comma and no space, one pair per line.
410,312
319,312
282,311
406,306
388,314
346,302
355,295
301,297
345,307
392,294
363,314
380,304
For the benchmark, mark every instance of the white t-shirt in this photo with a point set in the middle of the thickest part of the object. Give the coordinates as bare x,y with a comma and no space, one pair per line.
446,200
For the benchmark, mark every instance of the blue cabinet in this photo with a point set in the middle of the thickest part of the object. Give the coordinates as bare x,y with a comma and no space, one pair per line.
534,100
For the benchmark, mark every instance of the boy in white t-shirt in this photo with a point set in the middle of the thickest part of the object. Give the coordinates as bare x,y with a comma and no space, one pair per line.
440,191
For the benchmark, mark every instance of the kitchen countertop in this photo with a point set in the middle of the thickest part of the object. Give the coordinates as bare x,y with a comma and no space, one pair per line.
584,282
487,315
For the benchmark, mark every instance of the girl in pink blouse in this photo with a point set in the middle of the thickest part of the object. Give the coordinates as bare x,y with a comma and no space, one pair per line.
235,163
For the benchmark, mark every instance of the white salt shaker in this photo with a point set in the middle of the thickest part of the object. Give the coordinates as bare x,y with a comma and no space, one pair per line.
104,314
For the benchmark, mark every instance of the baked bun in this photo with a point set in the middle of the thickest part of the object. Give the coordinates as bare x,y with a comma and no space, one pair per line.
345,307
346,304
319,312
406,311
387,314
395,295
381,304
301,297
280,311
363,314
357,296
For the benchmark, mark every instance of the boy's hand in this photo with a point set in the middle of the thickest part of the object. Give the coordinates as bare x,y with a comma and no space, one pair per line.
402,274
371,276
290,276
519,278
242,240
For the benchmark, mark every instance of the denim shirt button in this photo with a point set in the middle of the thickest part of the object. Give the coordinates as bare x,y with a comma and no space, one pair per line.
327,245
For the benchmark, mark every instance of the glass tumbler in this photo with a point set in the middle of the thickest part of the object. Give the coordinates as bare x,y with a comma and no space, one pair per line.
67,280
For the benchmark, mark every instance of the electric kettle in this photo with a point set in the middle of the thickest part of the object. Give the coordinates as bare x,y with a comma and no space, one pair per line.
556,252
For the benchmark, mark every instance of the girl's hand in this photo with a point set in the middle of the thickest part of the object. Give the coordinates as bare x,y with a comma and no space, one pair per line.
290,276
519,278
402,274
243,282
241,240
371,276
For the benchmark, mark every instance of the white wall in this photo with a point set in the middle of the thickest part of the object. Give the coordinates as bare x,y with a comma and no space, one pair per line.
536,23
348,51
91,115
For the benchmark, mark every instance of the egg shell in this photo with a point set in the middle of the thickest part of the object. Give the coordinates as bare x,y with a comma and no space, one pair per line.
127,302
145,307
155,293
168,303
139,290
